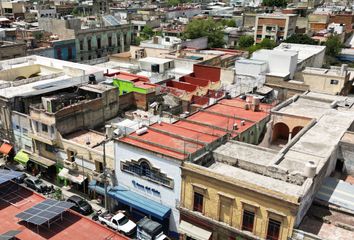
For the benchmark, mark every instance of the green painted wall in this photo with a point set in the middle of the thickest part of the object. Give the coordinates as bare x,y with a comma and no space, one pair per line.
127,87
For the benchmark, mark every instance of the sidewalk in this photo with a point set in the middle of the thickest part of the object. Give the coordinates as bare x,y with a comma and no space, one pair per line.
68,192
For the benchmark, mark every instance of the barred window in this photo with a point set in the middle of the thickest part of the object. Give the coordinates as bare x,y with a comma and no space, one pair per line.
144,169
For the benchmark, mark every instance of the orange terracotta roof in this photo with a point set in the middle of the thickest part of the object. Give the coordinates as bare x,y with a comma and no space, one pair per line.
5,148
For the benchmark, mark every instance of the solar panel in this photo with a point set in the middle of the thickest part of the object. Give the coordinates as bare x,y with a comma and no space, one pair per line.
7,175
44,212
9,234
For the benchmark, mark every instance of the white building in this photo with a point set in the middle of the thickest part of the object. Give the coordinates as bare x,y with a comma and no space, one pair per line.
148,170
280,63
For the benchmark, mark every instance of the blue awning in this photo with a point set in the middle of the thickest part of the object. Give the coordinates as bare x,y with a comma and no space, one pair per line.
140,202
97,188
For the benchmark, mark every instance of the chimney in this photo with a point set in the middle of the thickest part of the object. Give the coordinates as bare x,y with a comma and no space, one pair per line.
343,69
155,40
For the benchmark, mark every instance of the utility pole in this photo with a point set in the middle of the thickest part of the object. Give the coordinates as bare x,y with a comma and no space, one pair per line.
105,170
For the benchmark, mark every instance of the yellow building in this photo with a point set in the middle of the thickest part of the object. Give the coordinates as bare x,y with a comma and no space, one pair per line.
229,208
226,202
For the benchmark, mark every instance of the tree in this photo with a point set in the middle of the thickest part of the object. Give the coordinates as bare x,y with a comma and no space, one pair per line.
301,39
333,46
172,3
264,44
147,32
75,11
245,42
267,44
275,3
228,22
205,28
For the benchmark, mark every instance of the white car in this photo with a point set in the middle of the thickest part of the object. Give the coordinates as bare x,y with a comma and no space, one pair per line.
118,222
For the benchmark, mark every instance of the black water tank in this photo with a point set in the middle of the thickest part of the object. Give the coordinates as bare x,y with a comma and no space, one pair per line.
92,79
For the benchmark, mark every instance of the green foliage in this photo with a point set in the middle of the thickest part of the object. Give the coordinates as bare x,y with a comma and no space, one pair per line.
301,39
205,28
275,3
38,35
147,32
136,41
245,42
228,22
172,3
333,46
267,44
75,11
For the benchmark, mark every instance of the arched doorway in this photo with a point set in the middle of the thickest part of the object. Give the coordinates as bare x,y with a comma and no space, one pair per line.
295,131
280,132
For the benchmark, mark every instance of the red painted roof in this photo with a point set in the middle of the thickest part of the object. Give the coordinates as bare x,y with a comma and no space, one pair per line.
127,76
223,122
182,86
195,81
237,112
170,140
178,139
73,226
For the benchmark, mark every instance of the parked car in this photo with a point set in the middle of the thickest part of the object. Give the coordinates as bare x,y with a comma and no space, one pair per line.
37,184
19,179
150,230
81,205
118,222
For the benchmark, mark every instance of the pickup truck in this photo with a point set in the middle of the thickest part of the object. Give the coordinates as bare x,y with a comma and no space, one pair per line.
118,222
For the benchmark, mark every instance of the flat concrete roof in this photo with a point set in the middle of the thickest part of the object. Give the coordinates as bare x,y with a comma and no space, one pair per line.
304,50
155,60
257,179
232,151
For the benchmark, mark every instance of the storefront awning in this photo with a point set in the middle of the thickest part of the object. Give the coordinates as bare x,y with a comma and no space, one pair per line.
22,157
5,148
64,173
139,202
45,162
193,231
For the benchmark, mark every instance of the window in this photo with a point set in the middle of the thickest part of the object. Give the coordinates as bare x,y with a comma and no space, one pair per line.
71,156
25,131
70,53
155,68
36,126
99,166
17,127
81,45
248,220
198,202
59,53
44,128
52,129
334,82
109,41
259,36
143,169
98,43
89,44
167,39
273,231
49,148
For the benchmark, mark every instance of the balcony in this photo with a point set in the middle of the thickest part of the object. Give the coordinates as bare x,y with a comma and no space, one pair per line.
43,138
71,165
